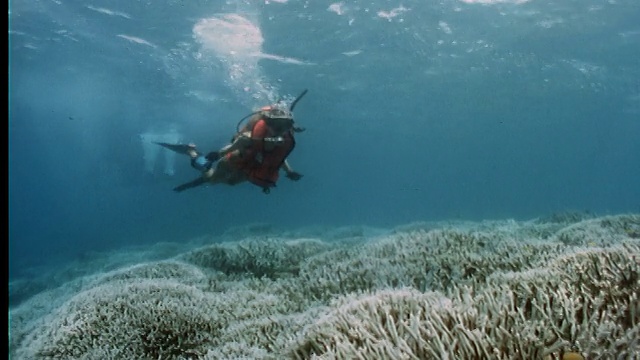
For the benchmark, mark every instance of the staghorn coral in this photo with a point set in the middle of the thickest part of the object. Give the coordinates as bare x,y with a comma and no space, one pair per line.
145,320
152,319
170,269
524,315
384,324
435,260
586,299
566,217
268,257
90,263
493,290
603,231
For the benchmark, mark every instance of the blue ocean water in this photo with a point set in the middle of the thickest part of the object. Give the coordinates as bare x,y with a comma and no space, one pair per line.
416,110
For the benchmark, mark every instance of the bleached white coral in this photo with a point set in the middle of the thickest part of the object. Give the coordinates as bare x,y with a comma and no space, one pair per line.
143,319
267,257
600,231
527,314
498,290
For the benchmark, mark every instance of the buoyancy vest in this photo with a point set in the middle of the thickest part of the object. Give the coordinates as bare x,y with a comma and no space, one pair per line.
262,163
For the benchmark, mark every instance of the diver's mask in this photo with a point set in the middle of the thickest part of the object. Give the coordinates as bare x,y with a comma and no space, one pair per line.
278,111
279,116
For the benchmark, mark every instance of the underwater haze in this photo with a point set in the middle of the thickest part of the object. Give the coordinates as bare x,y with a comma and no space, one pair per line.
416,111
470,182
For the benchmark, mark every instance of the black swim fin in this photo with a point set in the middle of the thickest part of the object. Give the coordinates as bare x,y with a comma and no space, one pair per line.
179,148
191,184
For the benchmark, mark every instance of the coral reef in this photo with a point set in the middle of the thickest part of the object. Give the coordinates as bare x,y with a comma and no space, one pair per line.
587,300
489,290
40,280
270,257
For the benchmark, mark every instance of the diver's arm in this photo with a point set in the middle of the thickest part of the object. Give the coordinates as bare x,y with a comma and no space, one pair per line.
291,174
286,167
241,142
255,138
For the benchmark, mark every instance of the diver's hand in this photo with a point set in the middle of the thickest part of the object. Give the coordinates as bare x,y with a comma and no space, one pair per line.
295,176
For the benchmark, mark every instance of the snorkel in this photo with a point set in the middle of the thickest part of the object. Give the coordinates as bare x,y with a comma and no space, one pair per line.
291,107
295,101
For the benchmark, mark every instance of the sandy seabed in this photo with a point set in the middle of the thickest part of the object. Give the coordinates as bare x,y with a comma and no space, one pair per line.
509,289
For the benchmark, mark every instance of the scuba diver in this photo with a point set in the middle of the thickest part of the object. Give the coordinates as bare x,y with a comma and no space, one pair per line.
256,153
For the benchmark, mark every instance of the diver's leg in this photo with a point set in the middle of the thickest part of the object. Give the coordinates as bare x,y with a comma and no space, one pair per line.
207,176
186,149
229,152
205,162
191,184
225,173
198,161
219,173
201,163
